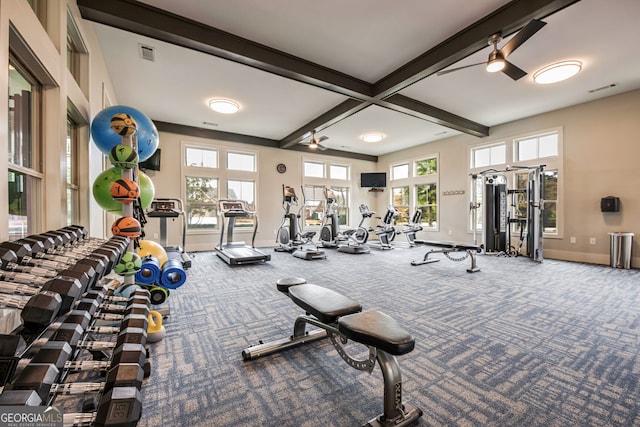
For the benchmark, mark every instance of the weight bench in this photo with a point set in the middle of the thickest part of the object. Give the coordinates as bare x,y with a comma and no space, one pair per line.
446,249
340,318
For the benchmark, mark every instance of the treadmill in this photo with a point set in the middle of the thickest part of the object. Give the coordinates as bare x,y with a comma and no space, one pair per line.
236,253
170,208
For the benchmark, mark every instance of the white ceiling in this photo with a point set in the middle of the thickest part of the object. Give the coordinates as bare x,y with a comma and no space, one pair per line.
368,40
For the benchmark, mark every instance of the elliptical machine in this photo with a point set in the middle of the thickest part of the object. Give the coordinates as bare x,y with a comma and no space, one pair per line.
330,236
289,236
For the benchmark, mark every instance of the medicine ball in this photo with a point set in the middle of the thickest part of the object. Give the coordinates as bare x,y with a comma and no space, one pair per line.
129,264
124,190
126,226
123,156
123,124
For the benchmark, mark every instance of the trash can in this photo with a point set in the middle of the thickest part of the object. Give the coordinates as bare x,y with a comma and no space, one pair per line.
621,250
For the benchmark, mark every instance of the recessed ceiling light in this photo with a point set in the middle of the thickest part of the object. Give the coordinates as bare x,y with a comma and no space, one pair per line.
372,136
557,72
224,106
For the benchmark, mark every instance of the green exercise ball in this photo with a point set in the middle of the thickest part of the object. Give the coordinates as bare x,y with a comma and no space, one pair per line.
102,190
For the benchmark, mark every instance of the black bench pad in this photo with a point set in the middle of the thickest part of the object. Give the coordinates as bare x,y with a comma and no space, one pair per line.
324,304
376,329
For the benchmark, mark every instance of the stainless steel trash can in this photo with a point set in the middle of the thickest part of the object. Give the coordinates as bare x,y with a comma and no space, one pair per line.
620,253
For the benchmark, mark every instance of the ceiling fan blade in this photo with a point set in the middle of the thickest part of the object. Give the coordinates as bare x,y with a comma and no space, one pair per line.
304,142
522,36
513,71
451,70
322,138
322,147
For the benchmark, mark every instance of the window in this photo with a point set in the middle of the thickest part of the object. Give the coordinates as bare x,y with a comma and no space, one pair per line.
24,153
206,183
528,151
202,202
341,204
482,157
400,171
72,172
401,203
537,147
416,191
241,162
77,54
201,157
427,202
426,167
314,205
243,190
339,172
313,169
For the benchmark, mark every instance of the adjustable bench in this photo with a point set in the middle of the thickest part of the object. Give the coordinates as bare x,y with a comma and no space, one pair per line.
341,318
446,249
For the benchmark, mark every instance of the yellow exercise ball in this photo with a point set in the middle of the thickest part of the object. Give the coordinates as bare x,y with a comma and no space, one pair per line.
149,247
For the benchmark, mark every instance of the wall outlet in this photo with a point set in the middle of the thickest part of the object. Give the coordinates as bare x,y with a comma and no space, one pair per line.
572,239
592,240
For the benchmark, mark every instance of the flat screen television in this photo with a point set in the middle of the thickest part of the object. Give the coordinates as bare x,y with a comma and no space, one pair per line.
152,163
373,179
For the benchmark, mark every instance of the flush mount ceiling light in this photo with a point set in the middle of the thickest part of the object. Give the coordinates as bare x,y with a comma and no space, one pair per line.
557,72
224,106
372,136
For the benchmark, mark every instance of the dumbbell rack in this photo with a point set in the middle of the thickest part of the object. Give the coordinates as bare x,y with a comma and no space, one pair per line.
88,303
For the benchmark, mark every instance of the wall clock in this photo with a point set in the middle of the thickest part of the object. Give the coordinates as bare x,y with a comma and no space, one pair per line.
282,168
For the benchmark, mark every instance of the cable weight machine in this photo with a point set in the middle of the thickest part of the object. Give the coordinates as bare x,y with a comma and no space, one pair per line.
499,216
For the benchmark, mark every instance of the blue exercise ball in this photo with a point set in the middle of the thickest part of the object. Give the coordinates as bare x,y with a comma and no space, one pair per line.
106,138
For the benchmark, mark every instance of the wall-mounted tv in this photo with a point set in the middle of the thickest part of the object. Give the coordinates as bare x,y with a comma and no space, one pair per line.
373,179
152,163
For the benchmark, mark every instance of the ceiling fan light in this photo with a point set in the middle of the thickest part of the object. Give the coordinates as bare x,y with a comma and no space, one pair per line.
313,145
557,72
372,136
496,62
224,106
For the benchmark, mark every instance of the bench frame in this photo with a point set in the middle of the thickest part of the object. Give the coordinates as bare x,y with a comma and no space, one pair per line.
396,412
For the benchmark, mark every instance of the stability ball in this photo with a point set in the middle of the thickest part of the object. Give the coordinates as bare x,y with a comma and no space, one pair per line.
149,247
106,138
102,190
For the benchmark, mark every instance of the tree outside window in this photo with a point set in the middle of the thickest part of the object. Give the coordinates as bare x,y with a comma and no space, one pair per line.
400,198
202,202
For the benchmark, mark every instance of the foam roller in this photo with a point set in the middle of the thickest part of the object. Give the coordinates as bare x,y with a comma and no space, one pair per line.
173,275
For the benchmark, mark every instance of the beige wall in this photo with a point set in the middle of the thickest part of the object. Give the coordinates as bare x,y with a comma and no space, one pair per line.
269,188
601,154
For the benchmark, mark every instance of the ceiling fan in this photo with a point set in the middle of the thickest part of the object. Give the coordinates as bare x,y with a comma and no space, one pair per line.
314,143
498,58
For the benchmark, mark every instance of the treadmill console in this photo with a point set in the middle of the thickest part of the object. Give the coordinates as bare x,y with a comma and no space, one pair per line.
163,208
231,208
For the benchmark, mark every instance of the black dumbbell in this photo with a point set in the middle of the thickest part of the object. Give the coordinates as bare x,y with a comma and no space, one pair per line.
69,288
120,406
39,310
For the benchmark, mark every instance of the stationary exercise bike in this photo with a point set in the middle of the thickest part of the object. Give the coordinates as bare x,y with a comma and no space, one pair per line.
289,236
351,241
385,231
410,229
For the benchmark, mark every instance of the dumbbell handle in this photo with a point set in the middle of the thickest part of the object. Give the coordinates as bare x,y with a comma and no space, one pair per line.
24,278
12,302
12,288
79,419
30,269
87,365
46,263
75,388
